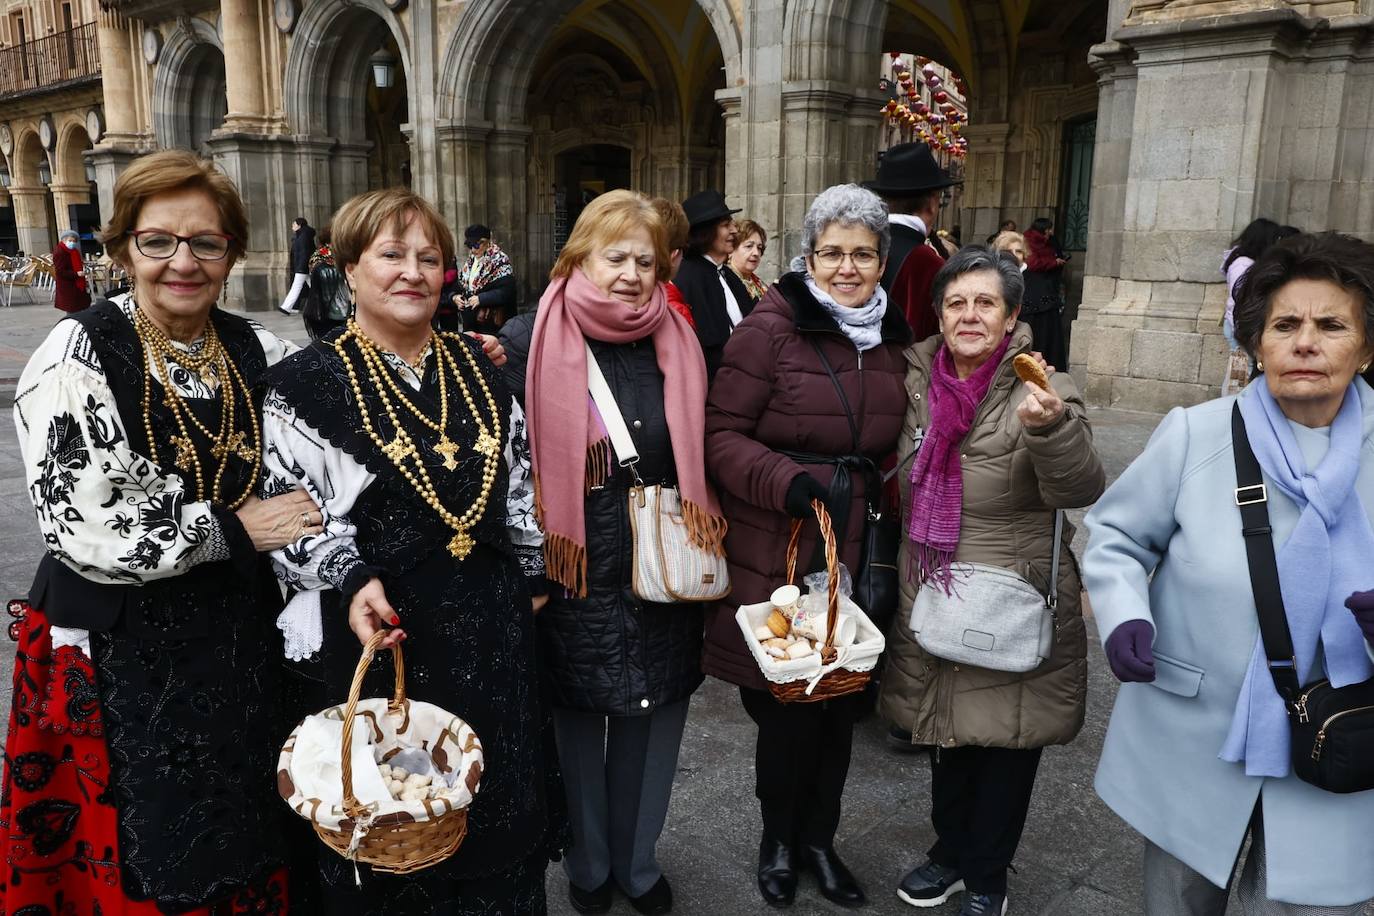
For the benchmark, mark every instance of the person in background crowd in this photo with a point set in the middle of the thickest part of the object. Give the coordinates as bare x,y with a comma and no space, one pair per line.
620,670
778,436
943,244
1245,249
997,457
1044,300
1197,753
302,246
912,184
718,298
487,282
1013,243
438,541
141,760
71,294
328,303
676,228
1007,225
753,242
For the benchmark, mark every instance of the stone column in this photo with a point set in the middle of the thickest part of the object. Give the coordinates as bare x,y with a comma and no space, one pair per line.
243,65
985,178
123,140
503,208
31,219
1204,125
63,195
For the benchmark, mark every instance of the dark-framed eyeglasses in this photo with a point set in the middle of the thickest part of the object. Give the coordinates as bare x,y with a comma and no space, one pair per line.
160,245
861,258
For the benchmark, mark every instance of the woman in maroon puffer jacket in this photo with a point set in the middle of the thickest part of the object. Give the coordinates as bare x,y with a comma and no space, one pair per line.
772,417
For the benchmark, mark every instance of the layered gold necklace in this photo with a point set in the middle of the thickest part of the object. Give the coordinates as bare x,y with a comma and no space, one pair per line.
210,363
401,449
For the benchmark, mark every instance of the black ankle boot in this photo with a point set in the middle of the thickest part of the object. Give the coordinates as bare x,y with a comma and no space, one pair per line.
777,874
836,882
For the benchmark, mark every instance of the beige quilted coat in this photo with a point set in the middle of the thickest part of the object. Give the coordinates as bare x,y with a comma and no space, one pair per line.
1014,479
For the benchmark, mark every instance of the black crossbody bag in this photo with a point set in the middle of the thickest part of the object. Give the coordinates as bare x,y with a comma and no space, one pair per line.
1332,728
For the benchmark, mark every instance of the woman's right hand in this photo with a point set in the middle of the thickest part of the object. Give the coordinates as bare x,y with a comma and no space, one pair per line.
280,520
369,611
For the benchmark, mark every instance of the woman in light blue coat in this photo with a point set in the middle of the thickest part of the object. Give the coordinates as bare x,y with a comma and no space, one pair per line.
1196,754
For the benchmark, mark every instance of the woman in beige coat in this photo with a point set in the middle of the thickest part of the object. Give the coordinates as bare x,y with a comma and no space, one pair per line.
996,458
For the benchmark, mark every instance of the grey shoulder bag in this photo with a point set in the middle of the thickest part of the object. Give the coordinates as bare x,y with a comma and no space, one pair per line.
992,618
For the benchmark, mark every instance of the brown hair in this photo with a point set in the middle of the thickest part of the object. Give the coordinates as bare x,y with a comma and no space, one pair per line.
164,172
748,227
610,217
674,222
362,218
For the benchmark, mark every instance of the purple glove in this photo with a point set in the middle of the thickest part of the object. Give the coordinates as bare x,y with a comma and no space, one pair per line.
1129,652
1361,604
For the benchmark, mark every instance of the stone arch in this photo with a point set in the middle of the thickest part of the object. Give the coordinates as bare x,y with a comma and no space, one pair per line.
327,61
189,95
837,40
28,153
485,76
72,141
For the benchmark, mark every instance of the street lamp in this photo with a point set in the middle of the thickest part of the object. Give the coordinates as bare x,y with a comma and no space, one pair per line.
90,171
44,173
4,179
383,65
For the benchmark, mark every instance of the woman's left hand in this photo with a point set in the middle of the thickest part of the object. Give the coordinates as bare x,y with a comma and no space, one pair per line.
1040,409
538,601
491,347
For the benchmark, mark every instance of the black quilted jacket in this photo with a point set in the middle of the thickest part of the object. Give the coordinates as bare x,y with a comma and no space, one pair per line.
610,652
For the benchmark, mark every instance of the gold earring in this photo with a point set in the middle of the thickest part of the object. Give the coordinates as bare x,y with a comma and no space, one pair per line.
1259,364
1364,368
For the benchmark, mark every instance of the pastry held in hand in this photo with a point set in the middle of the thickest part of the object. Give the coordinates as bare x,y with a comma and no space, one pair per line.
1029,371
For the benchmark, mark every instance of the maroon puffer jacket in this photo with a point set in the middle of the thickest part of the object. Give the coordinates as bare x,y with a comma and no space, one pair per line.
772,394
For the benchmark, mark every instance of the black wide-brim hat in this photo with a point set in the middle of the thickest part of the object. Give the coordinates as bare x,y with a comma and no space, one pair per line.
910,168
706,207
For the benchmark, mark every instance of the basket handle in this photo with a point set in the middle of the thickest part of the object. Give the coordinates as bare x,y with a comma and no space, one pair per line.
832,567
352,807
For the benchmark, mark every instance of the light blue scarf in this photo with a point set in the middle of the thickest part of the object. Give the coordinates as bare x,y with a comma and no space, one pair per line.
1324,560
863,325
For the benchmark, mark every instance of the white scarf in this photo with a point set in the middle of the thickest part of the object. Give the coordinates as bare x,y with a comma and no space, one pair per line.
863,325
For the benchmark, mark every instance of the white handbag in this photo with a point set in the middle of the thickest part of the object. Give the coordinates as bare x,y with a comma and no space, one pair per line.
992,617
668,567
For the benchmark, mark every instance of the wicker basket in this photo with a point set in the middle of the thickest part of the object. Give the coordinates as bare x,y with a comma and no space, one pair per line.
398,837
833,672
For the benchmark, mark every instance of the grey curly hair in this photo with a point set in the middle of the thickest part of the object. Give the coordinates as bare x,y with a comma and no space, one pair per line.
848,205
973,258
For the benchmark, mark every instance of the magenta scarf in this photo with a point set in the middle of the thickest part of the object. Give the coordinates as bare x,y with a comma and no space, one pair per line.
570,449
937,478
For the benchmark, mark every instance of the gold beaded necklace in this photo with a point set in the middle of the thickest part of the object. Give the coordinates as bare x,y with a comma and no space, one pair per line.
402,445
208,363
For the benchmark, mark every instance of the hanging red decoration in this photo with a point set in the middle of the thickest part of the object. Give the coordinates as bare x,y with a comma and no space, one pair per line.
941,97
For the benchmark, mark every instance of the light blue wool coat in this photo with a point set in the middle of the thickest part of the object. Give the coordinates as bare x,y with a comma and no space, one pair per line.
1173,514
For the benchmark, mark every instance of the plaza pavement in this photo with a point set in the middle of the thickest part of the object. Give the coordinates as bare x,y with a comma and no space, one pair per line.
1076,859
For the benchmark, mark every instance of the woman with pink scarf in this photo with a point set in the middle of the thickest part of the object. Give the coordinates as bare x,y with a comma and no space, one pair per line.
994,458
620,671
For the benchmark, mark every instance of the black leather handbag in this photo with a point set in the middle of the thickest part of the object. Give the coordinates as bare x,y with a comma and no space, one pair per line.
875,581
1332,727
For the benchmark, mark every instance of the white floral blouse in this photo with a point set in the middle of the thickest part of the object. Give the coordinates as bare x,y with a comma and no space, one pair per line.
295,454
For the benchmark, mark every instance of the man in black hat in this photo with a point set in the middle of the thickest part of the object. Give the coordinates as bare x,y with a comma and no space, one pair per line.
717,297
911,183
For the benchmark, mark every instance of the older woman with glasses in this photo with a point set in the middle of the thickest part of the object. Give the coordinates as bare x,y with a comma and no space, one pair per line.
808,402
140,757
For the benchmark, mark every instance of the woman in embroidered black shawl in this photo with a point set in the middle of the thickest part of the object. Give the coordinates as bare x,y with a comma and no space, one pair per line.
140,761
417,454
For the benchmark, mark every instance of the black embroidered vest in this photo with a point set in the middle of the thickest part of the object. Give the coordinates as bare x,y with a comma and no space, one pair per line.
176,607
397,527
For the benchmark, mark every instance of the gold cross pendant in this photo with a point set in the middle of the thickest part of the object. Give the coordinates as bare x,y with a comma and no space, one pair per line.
447,449
461,545
487,444
231,443
186,452
396,449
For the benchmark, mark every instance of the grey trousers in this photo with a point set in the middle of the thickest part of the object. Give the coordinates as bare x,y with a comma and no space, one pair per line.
1174,889
618,772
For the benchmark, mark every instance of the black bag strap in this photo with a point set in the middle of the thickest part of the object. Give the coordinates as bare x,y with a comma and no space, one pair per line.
839,389
1252,497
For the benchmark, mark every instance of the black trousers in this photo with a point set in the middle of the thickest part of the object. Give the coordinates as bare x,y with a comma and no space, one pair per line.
979,800
801,762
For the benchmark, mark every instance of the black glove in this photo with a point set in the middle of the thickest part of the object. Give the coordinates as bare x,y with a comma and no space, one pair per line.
800,492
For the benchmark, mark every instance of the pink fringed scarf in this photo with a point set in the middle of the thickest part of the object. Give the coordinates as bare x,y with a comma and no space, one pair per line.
937,475
569,445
